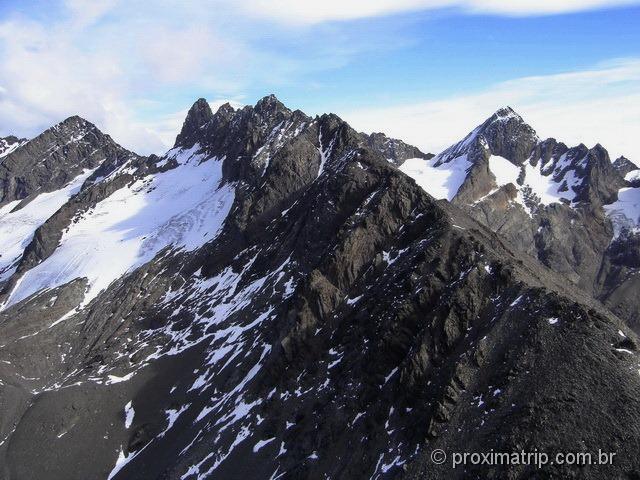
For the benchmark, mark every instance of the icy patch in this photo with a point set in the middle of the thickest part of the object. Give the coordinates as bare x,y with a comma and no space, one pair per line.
624,350
6,149
353,301
325,153
516,301
120,463
172,416
184,207
115,379
442,181
543,185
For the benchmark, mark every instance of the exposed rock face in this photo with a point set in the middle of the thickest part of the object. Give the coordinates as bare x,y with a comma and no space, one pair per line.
624,165
55,157
307,312
396,151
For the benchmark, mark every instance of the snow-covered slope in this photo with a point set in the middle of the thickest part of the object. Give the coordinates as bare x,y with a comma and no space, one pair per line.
183,207
17,227
441,180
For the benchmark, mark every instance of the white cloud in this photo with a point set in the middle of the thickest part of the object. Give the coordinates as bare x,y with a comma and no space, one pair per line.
86,12
107,71
600,105
296,11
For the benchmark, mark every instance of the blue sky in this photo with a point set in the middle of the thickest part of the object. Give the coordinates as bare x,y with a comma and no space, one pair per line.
423,70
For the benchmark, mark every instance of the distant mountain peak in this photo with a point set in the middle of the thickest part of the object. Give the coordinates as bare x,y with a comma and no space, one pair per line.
624,165
504,134
506,113
269,106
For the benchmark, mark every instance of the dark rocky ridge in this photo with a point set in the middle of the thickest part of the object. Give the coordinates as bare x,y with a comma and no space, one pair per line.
56,156
396,151
343,324
241,133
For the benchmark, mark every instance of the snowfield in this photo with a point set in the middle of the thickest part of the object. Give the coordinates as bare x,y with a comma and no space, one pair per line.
17,228
442,181
184,207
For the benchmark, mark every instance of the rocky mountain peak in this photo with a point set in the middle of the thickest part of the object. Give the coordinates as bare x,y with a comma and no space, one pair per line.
198,116
507,135
395,151
624,165
72,128
55,157
269,105
506,113
504,134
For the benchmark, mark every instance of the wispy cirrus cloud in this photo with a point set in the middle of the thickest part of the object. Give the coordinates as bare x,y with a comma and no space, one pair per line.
597,105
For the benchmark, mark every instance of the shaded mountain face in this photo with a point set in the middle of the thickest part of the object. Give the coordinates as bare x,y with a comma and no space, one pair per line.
273,298
572,208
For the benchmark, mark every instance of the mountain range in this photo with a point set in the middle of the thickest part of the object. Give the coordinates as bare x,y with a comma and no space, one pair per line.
281,296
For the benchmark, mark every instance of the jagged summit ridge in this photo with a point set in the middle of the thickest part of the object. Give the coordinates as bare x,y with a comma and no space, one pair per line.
249,136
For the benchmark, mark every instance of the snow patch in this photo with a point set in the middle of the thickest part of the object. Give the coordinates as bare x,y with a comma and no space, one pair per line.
129,414
441,181
625,212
